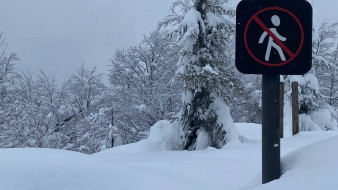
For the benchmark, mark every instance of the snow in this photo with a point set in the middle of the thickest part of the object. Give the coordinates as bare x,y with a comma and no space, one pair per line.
281,78
297,78
203,140
145,166
224,119
187,96
321,117
164,135
312,81
141,107
209,69
307,124
191,20
191,24
214,20
250,130
316,121
287,120
324,120
309,79
320,60
311,167
39,169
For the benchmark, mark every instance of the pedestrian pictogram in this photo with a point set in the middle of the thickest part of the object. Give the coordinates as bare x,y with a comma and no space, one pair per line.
276,41
271,44
274,37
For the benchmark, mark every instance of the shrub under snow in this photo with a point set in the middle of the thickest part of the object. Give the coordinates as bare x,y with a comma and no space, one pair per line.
317,121
164,135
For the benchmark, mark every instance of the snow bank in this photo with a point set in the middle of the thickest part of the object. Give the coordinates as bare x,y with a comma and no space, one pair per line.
307,124
165,135
131,167
47,169
312,167
317,155
322,119
249,131
317,120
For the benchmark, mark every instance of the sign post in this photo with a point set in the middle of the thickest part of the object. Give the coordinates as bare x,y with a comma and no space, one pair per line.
270,128
273,38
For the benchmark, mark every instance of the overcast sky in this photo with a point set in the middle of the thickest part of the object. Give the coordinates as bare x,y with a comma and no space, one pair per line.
57,36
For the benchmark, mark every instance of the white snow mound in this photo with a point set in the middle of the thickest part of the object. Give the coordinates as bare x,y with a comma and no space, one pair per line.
312,167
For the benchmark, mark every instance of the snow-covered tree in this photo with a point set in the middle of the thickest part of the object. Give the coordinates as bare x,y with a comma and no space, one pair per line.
332,90
248,104
95,132
308,92
75,115
140,79
311,98
86,90
89,120
39,103
324,60
9,109
203,29
315,86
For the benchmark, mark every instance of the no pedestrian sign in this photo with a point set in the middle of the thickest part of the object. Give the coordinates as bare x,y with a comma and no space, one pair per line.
274,37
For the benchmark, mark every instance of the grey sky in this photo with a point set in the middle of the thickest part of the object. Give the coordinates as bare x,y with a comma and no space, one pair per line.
59,35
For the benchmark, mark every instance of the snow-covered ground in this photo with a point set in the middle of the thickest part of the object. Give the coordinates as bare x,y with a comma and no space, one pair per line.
139,166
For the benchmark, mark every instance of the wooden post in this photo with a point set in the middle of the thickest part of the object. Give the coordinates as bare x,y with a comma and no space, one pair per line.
295,109
281,108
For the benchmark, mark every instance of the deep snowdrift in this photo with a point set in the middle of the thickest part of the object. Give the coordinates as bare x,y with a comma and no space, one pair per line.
146,166
312,167
46,169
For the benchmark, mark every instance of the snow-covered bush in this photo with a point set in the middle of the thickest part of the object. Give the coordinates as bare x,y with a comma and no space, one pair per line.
165,135
308,92
315,113
324,119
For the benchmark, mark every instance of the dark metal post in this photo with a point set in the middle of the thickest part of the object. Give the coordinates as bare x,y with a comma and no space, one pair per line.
295,109
270,128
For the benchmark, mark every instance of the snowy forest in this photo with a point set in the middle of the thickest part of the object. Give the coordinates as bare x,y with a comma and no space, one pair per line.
181,76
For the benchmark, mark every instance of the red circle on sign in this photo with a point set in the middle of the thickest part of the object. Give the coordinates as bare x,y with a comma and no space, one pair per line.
291,57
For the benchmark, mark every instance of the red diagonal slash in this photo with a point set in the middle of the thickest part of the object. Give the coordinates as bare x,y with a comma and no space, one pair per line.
280,43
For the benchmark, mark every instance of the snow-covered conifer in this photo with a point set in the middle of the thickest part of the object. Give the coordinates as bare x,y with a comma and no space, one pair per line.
203,29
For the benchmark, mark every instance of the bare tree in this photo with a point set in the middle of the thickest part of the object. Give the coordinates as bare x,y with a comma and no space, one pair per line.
140,79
